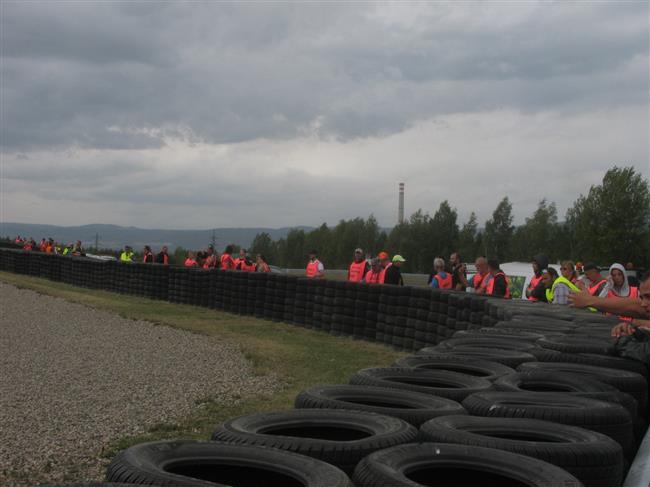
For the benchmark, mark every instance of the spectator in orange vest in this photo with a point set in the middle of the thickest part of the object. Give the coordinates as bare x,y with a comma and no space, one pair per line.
592,281
247,264
211,260
384,259
315,268
191,260
458,272
374,275
536,290
479,281
359,267
162,257
227,262
262,265
497,284
241,258
441,279
147,255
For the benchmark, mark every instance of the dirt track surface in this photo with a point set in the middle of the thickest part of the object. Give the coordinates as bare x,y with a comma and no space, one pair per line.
73,379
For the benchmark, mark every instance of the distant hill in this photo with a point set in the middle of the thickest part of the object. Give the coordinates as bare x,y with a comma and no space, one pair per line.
115,237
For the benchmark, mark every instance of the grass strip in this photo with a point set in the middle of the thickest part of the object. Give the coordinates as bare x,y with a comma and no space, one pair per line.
297,357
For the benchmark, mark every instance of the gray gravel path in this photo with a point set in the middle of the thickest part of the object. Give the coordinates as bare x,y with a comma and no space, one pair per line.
73,379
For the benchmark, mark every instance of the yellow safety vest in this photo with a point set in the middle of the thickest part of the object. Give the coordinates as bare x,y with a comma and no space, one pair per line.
550,293
126,257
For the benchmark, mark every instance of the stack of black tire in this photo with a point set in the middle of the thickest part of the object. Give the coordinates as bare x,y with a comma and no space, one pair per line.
440,417
499,392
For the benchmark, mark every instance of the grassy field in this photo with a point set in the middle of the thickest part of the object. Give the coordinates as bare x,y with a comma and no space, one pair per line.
298,357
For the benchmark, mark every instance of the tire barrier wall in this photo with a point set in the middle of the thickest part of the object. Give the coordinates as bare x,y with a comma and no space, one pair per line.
406,318
575,412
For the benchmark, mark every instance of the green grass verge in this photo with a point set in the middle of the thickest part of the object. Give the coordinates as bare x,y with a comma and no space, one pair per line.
298,357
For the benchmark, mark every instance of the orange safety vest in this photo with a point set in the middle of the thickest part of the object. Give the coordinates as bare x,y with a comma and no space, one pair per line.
355,273
382,275
263,267
489,289
534,281
634,293
210,262
480,283
312,269
147,256
374,277
593,290
226,262
190,263
445,283
243,266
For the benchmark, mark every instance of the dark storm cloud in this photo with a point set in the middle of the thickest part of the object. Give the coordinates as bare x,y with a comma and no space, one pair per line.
128,75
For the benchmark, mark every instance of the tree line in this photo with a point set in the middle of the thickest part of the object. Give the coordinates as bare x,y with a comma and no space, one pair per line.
611,223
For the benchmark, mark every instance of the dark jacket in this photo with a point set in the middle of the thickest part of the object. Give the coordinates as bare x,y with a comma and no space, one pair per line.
500,285
393,276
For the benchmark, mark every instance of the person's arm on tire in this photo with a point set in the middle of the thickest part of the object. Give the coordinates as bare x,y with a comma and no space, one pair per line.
628,328
620,306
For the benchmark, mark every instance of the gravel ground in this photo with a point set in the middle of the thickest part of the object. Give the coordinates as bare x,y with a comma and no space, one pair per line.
73,379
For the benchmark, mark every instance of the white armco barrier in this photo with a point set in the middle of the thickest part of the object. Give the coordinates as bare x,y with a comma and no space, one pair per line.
639,474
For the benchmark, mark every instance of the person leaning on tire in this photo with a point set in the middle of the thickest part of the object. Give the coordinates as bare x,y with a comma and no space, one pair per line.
557,287
638,308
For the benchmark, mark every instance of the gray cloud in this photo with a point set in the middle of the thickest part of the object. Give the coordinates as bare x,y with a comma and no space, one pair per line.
172,114
226,73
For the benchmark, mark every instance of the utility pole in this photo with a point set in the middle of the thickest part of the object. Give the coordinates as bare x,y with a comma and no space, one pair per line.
214,239
96,242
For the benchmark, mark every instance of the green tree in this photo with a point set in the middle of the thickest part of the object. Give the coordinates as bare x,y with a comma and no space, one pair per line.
444,231
538,235
499,230
179,256
467,239
295,251
612,223
263,244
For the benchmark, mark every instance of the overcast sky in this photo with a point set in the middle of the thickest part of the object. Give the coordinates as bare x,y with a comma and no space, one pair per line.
206,114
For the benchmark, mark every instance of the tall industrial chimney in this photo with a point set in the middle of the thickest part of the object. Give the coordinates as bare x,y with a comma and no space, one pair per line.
400,207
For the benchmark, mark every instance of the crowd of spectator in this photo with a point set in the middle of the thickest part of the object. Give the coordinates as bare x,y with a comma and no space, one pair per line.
617,292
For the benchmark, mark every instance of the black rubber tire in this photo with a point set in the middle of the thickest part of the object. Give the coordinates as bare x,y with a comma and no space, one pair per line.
593,458
445,465
577,344
577,385
593,359
487,342
632,383
413,407
477,368
607,418
441,383
206,463
338,437
509,358
500,333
